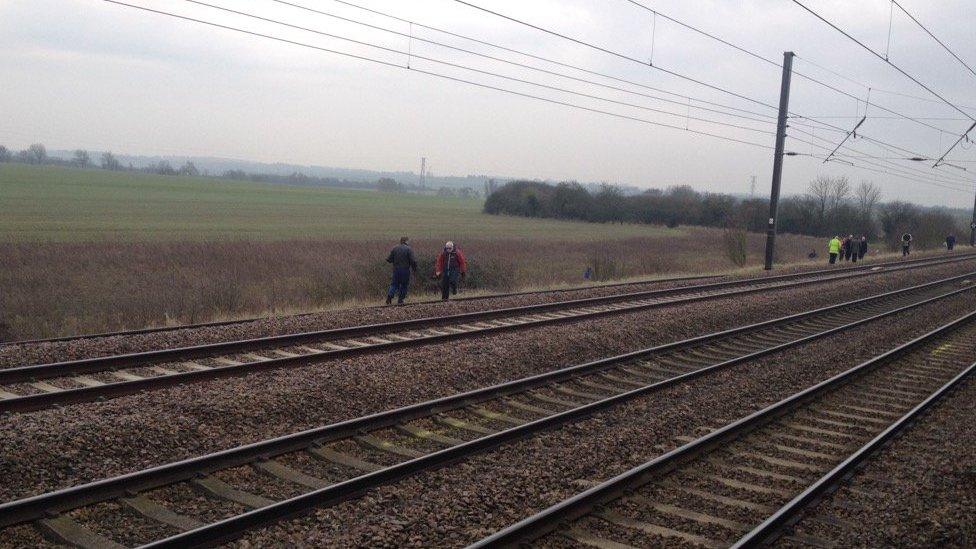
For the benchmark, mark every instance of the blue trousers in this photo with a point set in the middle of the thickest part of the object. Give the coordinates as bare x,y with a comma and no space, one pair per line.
398,286
449,284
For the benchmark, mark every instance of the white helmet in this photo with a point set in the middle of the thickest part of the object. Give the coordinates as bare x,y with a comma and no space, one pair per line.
449,246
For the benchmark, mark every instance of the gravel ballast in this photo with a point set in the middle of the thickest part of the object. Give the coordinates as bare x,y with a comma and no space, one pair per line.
455,506
918,492
55,448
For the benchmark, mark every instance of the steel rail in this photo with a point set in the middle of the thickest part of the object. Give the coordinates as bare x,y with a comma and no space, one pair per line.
582,504
772,527
220,323
70,498
43,400
81,366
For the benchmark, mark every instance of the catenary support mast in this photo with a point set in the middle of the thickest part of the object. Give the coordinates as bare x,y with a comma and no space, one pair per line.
784,102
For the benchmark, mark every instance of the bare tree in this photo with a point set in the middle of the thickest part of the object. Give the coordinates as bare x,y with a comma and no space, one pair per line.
109,162
36,154
82,159
819,191
840,191
189,168
828,193
868,195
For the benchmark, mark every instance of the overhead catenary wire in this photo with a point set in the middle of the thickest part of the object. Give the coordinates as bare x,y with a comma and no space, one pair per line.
881,57
755,117
431,73
887,170
933,36
634,60
545,59
619,55
894,150
906,172
434,74
411,55
777,64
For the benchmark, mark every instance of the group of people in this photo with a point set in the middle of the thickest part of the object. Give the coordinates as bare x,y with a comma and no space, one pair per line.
450,268
850,248
853,249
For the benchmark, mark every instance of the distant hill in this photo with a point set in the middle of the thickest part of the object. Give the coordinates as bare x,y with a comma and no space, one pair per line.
215,166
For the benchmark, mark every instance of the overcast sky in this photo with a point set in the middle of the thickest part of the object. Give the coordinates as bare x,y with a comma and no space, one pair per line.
87,73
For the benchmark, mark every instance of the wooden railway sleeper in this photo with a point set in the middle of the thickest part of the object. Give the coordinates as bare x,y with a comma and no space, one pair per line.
455,423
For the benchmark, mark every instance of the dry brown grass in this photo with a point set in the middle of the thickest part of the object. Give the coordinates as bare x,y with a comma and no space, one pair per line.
52,289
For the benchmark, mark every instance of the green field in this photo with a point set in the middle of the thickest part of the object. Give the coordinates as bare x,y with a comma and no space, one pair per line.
46,203
92,250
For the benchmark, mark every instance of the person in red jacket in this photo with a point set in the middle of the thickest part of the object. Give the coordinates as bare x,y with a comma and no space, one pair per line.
450,268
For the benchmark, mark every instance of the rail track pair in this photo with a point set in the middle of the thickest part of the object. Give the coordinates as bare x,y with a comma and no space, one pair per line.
330,464
745,484
34,387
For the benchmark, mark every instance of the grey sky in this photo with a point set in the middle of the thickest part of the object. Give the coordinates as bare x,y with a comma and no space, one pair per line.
91,74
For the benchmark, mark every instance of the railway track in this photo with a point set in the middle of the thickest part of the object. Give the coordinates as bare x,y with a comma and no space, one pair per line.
743,484
35,387
289,475
219,323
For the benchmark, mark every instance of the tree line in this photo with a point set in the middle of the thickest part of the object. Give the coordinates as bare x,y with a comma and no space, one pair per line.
37,154
831,206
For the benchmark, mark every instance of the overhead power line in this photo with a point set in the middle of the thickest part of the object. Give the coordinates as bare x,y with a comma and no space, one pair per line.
777,64
767,119
617,54
895,150
432,73
908,172
546,59
897,171
413,55
883,58
934,37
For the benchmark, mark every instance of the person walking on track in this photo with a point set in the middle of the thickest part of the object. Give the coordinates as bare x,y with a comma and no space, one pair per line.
906,244
401,256
862,247
849,251
950,241
833,249
450,268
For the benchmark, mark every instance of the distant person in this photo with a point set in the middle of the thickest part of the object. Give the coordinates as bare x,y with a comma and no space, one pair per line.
833,249
849,252
588,273
906,244
950,241
862,247
401,256
450,268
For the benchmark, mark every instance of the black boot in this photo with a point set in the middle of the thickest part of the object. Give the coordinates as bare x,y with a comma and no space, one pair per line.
389,299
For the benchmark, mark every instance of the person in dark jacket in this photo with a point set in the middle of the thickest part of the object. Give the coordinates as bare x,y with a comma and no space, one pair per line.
950,241
851,243
906,244
451,266
862,247
401,257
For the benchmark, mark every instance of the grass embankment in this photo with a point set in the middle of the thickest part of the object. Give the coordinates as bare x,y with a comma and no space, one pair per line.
90,250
